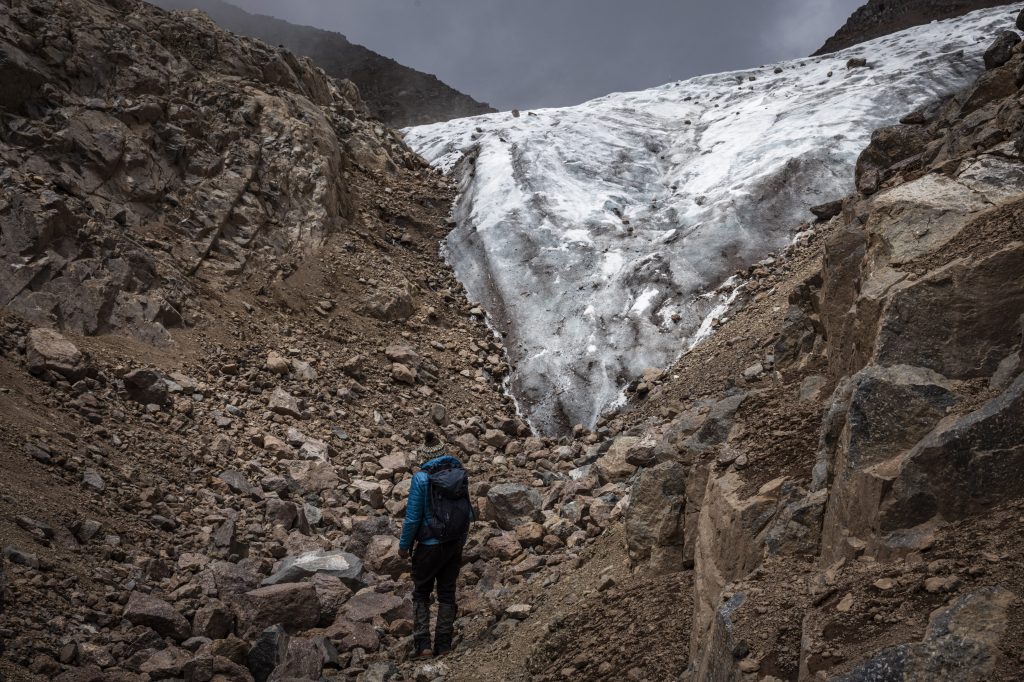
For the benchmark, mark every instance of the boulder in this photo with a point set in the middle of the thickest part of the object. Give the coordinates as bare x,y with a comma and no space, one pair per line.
145,609
47,350
613,466
389,304
276,363
168,663
950,321
336,563
365,606
495,438
1001,49
310,476
403,355
403,374
332,593
267,652
292,605
504,546
888,146
284,403
882,412
382,556
146,386
962,642
654,518
368,492
963,467
348,634
303,660
510,504
237,482
213,620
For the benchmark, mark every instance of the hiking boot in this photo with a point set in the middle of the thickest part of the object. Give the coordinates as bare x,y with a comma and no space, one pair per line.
445,629
421,629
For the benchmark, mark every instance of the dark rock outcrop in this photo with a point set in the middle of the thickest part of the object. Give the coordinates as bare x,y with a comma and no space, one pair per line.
878,18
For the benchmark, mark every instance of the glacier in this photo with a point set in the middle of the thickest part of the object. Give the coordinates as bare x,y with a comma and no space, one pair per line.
595,235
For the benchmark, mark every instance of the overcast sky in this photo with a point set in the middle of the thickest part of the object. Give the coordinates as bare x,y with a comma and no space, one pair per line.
533,53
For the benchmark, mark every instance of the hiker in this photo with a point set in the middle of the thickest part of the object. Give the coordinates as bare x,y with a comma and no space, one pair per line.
437,518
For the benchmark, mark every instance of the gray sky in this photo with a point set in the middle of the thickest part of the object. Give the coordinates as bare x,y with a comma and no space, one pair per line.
533,53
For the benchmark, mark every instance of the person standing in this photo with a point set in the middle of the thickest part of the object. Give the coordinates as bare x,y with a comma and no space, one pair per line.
437,518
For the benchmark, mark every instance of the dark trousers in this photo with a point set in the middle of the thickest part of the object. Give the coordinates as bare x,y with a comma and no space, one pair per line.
436,564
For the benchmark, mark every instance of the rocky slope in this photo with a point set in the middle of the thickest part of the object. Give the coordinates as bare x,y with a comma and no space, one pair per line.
595,236
878,18
398,95
844,457
226,327
827,488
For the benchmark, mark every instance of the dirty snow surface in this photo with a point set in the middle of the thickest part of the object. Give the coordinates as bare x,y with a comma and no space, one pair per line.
595,235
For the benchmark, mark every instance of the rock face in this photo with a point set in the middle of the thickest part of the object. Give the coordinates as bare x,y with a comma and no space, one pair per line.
963,637
654,520
154,188
881,17
397,95
860,475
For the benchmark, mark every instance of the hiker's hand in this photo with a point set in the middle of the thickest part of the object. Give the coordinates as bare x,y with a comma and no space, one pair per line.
403,553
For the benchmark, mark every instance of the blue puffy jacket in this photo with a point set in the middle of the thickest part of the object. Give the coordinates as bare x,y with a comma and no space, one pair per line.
417,509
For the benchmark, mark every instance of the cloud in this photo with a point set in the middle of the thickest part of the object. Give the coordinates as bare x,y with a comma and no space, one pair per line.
534,53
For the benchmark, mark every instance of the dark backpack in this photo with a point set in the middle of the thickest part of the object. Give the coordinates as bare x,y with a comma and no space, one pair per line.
450,509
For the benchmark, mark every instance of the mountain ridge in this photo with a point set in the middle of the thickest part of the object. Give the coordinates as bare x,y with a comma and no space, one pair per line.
396,94
877,18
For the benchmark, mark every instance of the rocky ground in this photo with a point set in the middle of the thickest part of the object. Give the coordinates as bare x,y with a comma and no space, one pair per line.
256,327
828,488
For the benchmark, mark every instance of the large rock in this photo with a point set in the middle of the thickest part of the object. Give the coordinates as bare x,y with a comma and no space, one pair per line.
1001,49
332,593
510,504
953,321
365,606
146,386
312,476
145,609
336,563
267,652
730,543
47,350
887,410
714,429
888,146
214,620
898,215
303,660
293,605
961,468
390,304
382,556
654,519
364,530
613,466
284,403
962,643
